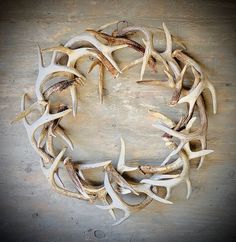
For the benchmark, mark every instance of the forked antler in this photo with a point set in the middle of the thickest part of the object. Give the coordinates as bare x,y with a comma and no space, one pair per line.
118,203
100,46
51,71
50,175
31,128
104,49
149,48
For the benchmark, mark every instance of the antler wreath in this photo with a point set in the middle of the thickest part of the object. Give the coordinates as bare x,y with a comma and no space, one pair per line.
99,45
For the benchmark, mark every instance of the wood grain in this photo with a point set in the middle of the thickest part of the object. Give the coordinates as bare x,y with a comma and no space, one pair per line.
30,211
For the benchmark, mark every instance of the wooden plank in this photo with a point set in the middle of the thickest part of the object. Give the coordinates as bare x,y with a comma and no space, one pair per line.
30,211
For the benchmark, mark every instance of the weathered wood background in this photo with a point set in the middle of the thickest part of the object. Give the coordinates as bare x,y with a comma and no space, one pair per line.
30,211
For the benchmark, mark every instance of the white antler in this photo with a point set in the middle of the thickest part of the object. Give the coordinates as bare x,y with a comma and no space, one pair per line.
106,50
50,175
118,203
31,128
121,167
52,70
170,183
149,48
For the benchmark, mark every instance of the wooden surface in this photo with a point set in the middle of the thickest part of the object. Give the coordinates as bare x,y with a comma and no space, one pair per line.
30,211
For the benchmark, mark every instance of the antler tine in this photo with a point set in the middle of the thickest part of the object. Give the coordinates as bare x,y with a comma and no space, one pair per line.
178,87
203,84
101,28
59,131
121,40
117,178
161,117
74,177
42,136
118,203
167,54
130,65
149,49
45,73
31,128
101,82
74,97
49,141
168,50
146,189
121,167
106,50
169,184
50,173
93,165
199,134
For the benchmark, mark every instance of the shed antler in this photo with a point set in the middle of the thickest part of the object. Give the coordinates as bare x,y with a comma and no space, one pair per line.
99,46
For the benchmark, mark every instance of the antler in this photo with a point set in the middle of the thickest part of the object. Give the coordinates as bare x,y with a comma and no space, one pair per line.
203,84
31,128
52,70
121,167
130,43
170,183
149,48
199,134
118,203
170,173
50,173
106,50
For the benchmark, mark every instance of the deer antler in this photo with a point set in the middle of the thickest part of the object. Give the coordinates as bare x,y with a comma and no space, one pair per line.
52,70
199,134
99,47
169,184
106,50
119,41
167,54
149,49
118,203
31,128
121,167
50,173
203,84
117,178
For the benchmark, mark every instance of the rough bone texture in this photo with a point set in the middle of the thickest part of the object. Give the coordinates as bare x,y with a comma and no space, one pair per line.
47,120
135,237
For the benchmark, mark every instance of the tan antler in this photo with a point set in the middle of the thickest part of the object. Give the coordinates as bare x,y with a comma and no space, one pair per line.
99,47
50,175
31,128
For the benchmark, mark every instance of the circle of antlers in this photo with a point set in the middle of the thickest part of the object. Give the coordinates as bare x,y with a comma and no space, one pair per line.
99,46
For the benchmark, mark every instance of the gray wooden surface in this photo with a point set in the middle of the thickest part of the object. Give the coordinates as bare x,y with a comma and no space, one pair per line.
30,211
